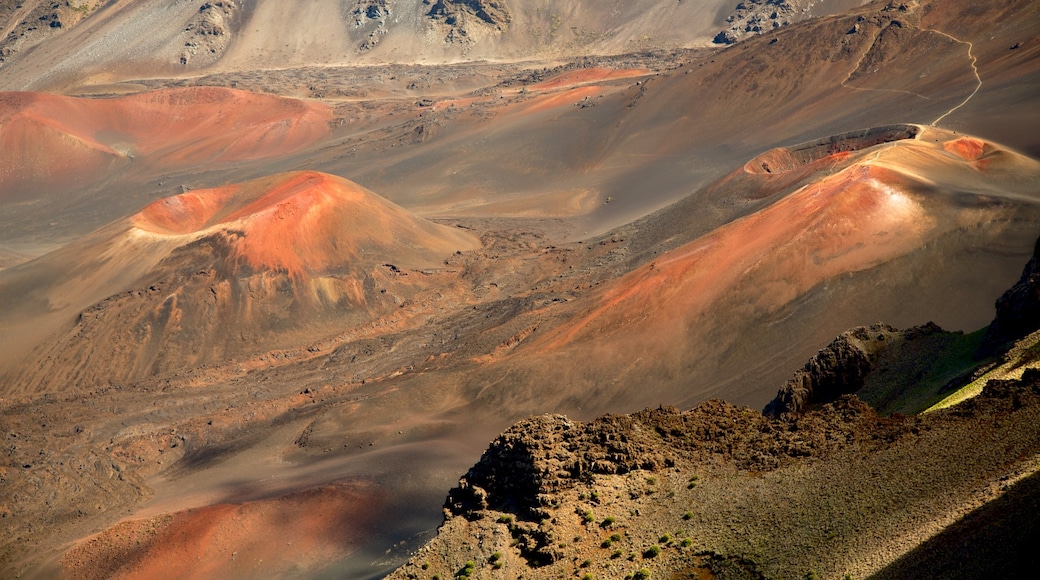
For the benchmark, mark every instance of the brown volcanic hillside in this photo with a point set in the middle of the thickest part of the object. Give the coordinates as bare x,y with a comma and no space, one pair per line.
162,421
652,141
221,274
721,491
913,230
55,143
135,39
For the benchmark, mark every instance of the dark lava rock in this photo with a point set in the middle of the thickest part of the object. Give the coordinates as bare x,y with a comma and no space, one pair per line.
1018,310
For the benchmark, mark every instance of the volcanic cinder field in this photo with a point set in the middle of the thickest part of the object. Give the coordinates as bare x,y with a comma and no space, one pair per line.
273,274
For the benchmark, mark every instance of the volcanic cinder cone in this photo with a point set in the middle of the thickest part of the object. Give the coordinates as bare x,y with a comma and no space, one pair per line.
54,143
219,273
903,223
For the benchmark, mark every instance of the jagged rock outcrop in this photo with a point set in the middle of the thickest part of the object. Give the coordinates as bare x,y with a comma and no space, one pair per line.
752,17
842,367
372,16
526,470
539,457
209,33
459,17
542,455
1018,310
626,513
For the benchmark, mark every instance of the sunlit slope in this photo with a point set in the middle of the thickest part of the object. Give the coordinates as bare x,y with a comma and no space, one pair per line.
218,273
648,141
136,39
54,143
928,227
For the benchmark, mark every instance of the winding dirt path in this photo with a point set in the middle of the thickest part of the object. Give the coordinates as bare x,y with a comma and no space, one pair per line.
971,55
974,69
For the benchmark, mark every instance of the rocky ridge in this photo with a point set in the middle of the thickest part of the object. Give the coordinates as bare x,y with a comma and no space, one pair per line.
458,17
752,17
820,485
1018,309
725,491
209,33
843,366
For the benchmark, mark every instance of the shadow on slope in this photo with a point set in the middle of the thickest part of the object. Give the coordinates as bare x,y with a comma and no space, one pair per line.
997,540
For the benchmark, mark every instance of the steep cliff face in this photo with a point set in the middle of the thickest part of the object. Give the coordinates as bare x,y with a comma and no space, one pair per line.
845,365
1018,310
721,491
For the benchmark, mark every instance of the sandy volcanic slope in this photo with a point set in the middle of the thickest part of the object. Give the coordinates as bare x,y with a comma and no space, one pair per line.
128,39
55,142
427,381
273,537
427,397
820,252
648,144
72,165
266,258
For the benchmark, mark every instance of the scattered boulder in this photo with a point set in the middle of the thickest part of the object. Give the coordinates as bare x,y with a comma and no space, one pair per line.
752,17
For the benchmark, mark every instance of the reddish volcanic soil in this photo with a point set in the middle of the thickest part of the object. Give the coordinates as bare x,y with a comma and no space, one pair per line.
292,534
901,208
305,223
254,326
268,258
60,141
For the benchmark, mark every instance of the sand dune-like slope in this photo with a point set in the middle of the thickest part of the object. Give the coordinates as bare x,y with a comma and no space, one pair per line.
241,343
912,230
288,535
127,39
218,273
53,143
653,140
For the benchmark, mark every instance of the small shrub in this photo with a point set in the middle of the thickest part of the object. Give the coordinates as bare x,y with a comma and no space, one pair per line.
606,543
466,570
607,522
651,480
617,554
687,542
587,576
693,482
652,552
665,539
588,517
505,519
615,537
495,557
585,564
641,574
687,516
426,566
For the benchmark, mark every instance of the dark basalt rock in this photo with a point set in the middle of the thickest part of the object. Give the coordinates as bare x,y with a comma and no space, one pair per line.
1018,310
